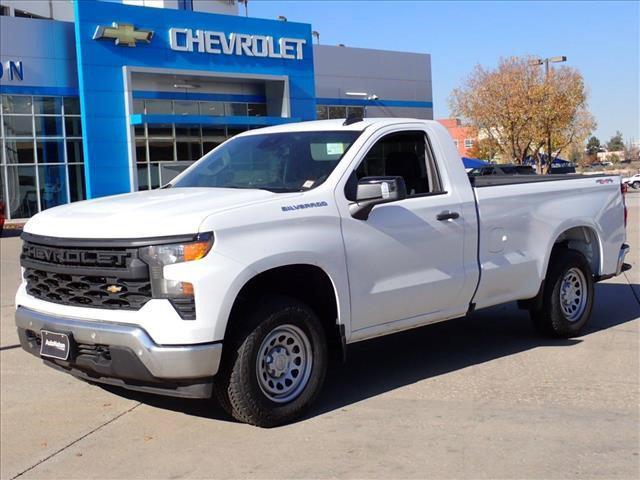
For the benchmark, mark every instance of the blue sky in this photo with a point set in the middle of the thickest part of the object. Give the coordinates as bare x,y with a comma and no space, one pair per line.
601,39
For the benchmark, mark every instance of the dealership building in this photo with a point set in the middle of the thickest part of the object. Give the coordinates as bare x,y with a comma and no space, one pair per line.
107,97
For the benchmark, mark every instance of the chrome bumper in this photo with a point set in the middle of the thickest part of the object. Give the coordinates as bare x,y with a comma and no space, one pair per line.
162,362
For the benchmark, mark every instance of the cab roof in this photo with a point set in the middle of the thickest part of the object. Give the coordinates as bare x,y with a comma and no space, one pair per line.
334,125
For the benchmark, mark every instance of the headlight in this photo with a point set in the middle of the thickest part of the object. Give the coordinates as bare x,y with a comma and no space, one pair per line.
158,256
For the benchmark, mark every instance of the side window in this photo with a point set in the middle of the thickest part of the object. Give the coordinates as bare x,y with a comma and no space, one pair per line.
404,154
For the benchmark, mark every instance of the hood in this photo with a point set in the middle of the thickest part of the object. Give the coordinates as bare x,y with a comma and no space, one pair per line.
154,213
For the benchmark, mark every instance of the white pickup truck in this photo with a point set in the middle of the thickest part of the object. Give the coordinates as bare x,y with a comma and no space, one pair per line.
284,245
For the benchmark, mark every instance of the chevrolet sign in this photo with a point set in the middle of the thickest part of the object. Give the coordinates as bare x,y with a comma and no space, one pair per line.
219,43
124,34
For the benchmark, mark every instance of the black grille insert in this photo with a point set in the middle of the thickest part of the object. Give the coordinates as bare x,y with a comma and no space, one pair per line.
94,273
88,291
96,277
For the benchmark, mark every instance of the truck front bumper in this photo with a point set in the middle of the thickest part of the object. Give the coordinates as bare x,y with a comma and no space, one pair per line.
124,355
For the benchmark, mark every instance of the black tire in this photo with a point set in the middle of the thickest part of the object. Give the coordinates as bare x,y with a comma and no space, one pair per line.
237,386
636,185
552,318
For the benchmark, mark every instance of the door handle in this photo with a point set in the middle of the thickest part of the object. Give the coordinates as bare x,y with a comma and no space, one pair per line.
447,215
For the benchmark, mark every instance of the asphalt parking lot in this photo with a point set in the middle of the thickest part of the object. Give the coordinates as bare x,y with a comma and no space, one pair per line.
481,397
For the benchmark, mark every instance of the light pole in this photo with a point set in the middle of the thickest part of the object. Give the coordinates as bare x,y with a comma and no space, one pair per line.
367,96
246,7
316,34
547,61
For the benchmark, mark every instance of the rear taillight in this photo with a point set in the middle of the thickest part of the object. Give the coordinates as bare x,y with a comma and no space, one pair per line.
623,188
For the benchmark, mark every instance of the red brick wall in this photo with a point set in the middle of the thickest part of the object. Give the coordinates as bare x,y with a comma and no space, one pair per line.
459,133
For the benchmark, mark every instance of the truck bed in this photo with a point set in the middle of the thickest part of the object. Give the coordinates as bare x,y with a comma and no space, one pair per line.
520,219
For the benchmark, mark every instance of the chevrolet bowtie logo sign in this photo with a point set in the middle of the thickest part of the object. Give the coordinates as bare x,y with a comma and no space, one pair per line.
124,34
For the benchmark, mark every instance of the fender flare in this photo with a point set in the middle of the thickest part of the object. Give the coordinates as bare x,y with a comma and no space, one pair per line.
250,272
566,226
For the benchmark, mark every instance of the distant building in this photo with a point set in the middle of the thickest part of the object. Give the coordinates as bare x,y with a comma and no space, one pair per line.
611,156
464,137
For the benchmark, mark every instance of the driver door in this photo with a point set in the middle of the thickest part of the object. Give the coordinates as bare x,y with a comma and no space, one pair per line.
404,263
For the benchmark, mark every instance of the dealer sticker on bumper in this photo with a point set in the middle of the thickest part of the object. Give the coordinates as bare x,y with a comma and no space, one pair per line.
55,345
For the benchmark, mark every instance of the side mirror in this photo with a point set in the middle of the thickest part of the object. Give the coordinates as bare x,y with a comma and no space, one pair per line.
372,191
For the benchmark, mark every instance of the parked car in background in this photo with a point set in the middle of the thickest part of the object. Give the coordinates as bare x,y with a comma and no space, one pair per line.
601,164
633,181
502,169
562,169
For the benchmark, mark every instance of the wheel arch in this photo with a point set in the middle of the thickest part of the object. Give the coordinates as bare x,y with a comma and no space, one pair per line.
584,239
306,282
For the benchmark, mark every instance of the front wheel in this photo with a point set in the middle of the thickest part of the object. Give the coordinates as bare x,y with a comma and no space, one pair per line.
277,365
567,297
636,185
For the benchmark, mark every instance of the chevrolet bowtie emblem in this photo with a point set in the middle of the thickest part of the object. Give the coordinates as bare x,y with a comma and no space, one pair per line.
123,34
114,289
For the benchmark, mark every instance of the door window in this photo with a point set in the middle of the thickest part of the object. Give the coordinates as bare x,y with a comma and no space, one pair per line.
407,155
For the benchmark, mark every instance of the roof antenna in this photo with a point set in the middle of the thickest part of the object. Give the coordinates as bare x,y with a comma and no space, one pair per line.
352,119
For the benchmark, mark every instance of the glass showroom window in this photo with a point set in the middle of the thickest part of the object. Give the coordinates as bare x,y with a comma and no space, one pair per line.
165,150
42,162
324,112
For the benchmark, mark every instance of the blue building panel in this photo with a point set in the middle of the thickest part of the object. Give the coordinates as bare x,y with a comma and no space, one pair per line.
102,80
64,59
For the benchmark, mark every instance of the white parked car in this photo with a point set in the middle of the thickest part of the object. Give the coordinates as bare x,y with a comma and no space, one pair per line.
285,245
633,181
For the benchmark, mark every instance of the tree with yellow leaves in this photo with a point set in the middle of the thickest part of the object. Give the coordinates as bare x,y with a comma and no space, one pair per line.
523,111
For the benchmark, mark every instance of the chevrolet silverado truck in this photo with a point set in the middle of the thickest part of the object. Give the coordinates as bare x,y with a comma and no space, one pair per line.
268,257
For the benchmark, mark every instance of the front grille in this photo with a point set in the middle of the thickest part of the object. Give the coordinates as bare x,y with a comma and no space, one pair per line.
108,278
87,291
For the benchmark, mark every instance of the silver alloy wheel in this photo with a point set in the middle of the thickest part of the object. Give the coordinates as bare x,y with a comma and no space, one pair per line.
573,294
284,362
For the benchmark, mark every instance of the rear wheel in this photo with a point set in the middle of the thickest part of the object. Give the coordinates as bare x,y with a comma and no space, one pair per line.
567,297
277,365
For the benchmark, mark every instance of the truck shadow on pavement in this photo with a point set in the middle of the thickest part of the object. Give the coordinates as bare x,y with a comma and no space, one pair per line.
384,364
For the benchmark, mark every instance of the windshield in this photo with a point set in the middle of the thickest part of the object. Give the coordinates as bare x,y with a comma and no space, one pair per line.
279,162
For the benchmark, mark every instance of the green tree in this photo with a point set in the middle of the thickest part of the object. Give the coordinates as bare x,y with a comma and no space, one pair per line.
593,145
616,144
